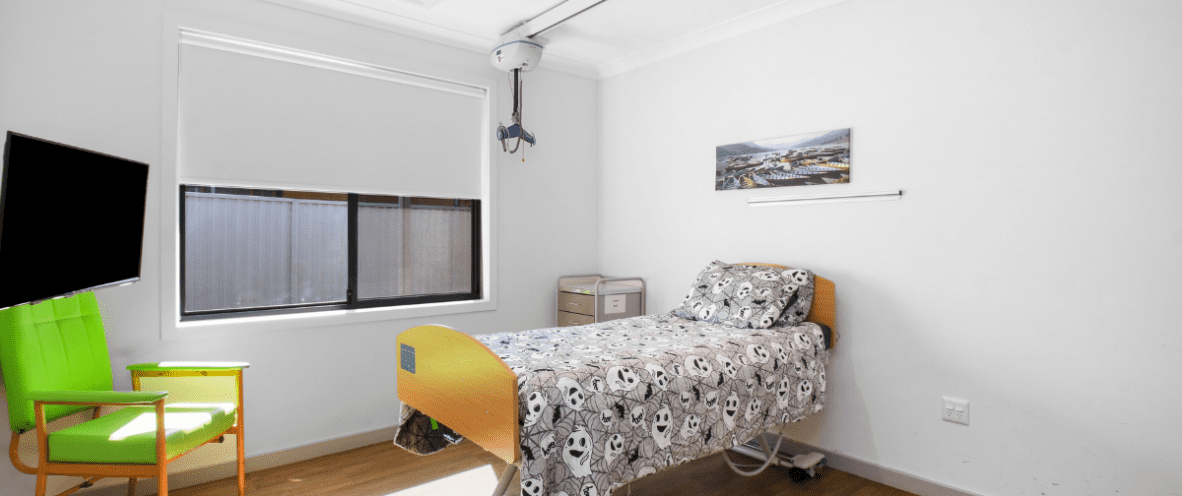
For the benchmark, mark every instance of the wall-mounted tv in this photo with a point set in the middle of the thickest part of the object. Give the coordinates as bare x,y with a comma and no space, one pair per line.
71,220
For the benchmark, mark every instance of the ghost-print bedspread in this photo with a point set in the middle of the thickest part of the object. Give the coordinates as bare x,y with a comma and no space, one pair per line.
605,404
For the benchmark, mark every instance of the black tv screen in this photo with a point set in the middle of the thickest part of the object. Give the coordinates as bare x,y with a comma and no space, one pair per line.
71,220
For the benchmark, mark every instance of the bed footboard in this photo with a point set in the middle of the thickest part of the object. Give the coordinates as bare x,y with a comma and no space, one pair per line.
453,378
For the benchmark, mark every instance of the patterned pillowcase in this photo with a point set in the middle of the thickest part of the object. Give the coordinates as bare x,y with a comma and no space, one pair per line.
747,296
798,302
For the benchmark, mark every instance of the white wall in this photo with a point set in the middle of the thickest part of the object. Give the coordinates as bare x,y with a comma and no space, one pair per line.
90,74
1032,266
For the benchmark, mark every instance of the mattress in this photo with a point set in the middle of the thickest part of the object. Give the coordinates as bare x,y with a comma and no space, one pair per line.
604,404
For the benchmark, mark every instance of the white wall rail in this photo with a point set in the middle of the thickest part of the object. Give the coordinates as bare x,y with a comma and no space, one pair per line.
853,196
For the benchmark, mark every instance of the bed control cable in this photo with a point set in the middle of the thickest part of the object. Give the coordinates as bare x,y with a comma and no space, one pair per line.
769,454
800,467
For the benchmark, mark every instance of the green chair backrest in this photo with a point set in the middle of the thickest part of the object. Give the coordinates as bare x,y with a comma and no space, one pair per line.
53,345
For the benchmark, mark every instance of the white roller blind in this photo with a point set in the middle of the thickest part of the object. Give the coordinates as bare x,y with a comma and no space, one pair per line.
253,119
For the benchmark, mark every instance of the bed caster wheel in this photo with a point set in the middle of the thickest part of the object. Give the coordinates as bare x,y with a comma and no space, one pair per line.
806,467
802,475
815,472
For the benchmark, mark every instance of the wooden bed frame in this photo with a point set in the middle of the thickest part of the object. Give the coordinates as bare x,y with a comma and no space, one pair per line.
465,386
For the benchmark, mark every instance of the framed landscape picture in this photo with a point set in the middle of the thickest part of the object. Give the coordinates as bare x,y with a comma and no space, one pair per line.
800,160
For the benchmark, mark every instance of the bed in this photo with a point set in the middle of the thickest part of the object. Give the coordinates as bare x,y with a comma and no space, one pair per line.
583,410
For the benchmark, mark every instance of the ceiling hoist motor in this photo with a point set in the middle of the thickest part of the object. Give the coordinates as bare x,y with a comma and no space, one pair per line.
520,50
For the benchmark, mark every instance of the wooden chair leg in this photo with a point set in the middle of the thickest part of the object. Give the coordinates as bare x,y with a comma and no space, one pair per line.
241,437
162,481
42,448
131,486
41,483
241,464
161,453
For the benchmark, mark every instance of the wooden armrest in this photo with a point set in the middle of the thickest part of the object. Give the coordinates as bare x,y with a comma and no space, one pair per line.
97,397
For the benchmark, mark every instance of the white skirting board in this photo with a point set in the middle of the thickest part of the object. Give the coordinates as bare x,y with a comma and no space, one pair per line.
253,463
872,471
861,468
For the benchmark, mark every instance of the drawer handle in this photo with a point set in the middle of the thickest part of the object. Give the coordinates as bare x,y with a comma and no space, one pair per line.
573,304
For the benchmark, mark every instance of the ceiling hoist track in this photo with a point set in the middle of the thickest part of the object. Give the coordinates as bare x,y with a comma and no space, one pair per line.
520,50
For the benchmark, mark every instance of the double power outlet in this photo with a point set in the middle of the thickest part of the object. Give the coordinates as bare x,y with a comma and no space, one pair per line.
955,410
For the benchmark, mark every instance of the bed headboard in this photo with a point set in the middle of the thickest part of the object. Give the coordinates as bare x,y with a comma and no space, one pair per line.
824,308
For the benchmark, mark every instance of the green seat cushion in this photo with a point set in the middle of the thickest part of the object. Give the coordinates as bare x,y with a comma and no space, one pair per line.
129,435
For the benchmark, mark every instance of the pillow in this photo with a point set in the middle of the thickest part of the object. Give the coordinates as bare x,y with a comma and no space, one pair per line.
748,296
798,303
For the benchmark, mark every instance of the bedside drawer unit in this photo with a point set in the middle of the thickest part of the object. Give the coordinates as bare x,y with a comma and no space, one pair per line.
576,303
618,306
593,298
566,319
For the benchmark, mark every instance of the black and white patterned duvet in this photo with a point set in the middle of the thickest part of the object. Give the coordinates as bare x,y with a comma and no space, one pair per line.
604,404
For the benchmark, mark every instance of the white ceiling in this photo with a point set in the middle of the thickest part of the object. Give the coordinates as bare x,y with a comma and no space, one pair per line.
610,38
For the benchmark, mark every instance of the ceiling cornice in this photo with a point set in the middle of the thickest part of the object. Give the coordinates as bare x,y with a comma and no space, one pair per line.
746,23
360,14
367,16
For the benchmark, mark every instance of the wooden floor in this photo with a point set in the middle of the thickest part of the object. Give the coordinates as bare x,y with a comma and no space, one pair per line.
383,468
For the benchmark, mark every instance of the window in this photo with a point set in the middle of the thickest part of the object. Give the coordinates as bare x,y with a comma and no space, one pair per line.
252,251
254,113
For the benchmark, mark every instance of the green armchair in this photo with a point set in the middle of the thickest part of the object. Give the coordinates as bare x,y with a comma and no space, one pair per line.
55,363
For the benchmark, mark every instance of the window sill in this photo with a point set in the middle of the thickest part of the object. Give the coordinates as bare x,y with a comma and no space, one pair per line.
328,318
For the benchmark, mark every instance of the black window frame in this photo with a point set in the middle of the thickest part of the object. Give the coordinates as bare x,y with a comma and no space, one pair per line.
352,301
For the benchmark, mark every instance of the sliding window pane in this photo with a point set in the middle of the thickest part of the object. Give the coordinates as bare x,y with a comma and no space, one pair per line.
263,248
409,246
379,246
321,255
